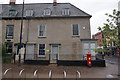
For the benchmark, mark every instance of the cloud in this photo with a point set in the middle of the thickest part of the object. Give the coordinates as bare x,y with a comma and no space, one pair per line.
97,8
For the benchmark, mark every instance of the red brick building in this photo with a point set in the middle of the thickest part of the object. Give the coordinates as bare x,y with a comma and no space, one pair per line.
98,36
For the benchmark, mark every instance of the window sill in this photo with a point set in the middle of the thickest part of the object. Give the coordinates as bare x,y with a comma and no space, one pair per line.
41,36
42,56
9,37
75,35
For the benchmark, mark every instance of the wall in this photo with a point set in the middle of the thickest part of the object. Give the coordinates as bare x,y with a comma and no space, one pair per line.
58,30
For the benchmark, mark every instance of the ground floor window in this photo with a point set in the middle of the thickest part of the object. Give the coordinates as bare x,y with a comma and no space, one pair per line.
9,47
41,48
18,47
89,47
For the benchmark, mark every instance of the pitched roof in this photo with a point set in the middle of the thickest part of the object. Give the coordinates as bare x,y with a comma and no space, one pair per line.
38,8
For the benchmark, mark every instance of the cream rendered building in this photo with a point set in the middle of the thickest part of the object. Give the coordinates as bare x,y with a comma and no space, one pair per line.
51,31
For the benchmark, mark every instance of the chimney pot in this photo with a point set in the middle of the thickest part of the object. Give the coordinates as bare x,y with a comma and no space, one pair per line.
12,2
54,3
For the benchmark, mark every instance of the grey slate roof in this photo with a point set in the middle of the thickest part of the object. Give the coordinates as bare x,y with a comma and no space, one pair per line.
38,8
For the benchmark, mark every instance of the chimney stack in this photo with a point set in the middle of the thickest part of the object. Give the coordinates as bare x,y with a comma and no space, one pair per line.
12,2
54,3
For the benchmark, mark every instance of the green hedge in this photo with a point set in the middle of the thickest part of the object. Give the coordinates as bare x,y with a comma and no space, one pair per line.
7,58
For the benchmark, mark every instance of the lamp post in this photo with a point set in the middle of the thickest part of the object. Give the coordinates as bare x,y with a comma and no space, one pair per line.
19,62
118,26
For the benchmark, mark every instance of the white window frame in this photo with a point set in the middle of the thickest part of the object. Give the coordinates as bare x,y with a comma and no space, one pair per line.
78,29
39,30
66,12
38,51
47,12
29,12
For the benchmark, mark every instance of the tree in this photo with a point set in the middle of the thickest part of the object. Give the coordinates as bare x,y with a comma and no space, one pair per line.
110,32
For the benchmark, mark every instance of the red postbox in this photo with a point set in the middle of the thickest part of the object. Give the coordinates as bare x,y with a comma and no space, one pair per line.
88,59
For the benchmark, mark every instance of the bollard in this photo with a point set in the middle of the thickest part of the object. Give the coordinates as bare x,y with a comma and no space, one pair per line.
50,74
6,71
35,72
21,72
78,74
65,74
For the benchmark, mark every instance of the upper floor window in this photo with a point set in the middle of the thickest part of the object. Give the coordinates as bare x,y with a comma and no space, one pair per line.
12,12
75,29
29,12
47,12
9,31
65,11
42,30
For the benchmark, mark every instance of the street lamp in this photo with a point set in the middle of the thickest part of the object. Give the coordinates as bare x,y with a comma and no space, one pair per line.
19,62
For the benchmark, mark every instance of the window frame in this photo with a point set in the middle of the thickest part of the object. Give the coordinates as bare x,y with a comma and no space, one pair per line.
65,12
89,48
30,11
44,49
47,10
39,30
11,12
9,43
78,29
9,37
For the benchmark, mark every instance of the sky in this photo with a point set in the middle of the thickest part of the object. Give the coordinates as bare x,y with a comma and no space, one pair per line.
96,8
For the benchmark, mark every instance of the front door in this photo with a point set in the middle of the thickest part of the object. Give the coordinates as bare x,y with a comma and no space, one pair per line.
29,52
54,53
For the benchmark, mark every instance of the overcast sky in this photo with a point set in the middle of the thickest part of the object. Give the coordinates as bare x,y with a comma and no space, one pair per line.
96,8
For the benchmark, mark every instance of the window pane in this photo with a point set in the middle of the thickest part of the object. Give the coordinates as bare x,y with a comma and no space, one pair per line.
65,12
86,45
92,45
9,31
41,52
93,52
75,29
85,52
29,12
41,49
42,30
41,46
47,12
9,48
12,12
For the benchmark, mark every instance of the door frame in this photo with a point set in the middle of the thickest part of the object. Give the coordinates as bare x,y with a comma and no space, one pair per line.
58,50
33,51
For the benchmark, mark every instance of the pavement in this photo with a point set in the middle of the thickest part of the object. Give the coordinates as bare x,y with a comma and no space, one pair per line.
110,71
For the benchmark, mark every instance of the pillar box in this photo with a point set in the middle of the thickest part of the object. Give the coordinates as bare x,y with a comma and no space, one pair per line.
89,59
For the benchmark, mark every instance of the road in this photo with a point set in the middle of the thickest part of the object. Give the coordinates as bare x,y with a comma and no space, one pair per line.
111,70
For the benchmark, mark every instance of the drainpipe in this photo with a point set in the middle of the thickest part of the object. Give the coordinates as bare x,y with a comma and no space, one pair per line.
27,32
27,36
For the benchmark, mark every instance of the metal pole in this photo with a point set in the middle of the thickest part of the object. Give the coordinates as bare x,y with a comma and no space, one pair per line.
21,34
50,74
20,73
6,72
118,25
78,74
